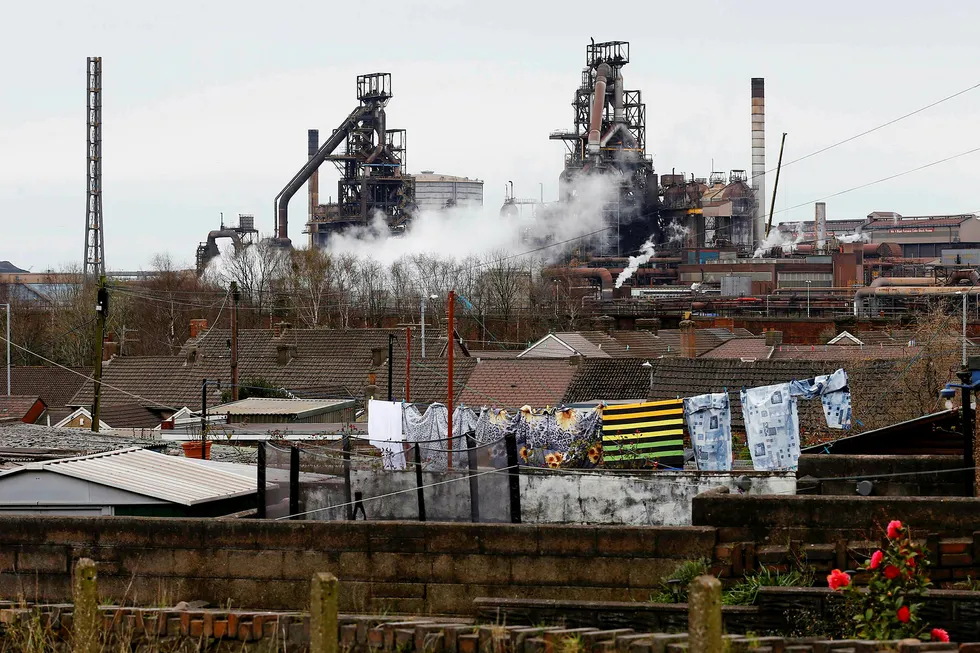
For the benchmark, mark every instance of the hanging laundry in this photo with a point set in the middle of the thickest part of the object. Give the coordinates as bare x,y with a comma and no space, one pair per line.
648,433
772,427
492,426
709,421
559,437
385,432
834,393
430,430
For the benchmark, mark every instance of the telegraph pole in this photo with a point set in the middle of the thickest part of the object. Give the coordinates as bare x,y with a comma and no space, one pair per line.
449,359
235,296
102,308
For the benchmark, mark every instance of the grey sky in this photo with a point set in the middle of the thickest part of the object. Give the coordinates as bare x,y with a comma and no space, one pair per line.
206,105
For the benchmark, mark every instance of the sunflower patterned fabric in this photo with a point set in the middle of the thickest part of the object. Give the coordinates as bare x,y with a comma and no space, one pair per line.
647,434
555,438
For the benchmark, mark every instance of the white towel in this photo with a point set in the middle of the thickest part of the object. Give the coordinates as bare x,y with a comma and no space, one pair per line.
385,432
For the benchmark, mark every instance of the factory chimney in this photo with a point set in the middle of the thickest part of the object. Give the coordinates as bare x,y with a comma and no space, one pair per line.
759,156
313,137
820,220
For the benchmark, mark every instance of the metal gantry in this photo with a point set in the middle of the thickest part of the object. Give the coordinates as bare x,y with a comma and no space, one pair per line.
94,261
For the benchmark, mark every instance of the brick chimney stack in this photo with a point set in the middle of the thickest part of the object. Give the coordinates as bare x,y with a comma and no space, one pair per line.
689,342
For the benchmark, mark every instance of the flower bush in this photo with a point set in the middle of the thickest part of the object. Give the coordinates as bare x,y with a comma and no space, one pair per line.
888,610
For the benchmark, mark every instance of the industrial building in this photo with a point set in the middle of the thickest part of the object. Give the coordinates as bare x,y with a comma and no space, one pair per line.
926,235
434,191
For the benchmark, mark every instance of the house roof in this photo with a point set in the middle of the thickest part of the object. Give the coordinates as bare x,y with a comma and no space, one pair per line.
129,416
296,408
168,478
608,379
877,221
17,406
82,412
537,382
54,385
626,343
741,349
842,352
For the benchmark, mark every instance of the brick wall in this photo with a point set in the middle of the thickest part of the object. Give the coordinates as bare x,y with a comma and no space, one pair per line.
395,566
837,531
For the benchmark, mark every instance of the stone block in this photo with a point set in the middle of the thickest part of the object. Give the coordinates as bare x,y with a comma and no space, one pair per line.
687,543
956,545
453,538
567,540
649,573
626,541
43,559
302,565
512,539
955,560
482,569
254,564
468,643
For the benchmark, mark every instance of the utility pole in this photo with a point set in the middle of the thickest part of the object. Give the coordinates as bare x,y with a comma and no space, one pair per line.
391,365
235,296
204,414
7,306
449,359
102,308
408,364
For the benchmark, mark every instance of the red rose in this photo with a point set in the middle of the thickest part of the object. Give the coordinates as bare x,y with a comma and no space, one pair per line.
894,528
876,559
939,635
838,579
892,572
903,614
910,562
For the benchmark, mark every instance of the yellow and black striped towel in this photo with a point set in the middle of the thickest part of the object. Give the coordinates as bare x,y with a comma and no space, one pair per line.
648,432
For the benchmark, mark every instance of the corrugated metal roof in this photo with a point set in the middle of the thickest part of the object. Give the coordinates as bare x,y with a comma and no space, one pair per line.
273,406
169,478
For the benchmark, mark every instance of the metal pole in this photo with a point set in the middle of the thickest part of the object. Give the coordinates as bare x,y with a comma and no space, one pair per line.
204,417
347,497
7,306
408,364
423,325
293,482
391,365
449,364
964,331
235,296
807,292
418,482
775,186
513,476
261,498
474,481
969,460
102,306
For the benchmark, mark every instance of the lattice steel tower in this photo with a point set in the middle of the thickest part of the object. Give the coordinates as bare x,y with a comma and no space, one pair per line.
94,265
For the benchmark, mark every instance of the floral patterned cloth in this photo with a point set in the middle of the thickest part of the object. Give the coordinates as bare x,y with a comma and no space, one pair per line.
834,395
559,437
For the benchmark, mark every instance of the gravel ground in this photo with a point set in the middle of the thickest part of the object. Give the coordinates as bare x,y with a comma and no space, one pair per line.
34,436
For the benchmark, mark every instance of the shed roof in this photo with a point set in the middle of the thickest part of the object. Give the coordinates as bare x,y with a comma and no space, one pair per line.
168,478
297,408
17,406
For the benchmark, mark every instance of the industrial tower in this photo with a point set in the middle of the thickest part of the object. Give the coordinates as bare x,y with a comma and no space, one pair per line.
94,261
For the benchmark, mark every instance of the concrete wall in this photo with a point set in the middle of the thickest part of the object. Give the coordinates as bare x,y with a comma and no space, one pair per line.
393,566
633,499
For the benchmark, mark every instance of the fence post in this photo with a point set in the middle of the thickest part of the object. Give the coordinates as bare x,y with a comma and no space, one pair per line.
293,482
418,481
261,497
513,475
85,615
704,615
347,498
474,481
324,633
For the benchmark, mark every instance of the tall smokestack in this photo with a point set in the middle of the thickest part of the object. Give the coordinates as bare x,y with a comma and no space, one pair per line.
759,156
313,137
820,218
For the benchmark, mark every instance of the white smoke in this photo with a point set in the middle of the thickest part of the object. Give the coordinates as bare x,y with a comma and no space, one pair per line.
646,253
777,239
856,237
462,232
676,232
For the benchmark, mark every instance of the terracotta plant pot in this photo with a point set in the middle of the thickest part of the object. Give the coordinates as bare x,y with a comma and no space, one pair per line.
193,449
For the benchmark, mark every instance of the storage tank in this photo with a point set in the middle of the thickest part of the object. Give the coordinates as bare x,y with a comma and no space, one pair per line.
435,191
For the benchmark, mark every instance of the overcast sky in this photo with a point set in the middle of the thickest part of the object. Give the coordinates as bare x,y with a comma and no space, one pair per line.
206,104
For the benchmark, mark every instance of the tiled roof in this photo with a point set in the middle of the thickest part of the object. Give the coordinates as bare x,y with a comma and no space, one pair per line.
430,378
130,416
513,383
842,352
685,377
629,344
609,379
494,353
895,336
54,385
16,406
739,348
